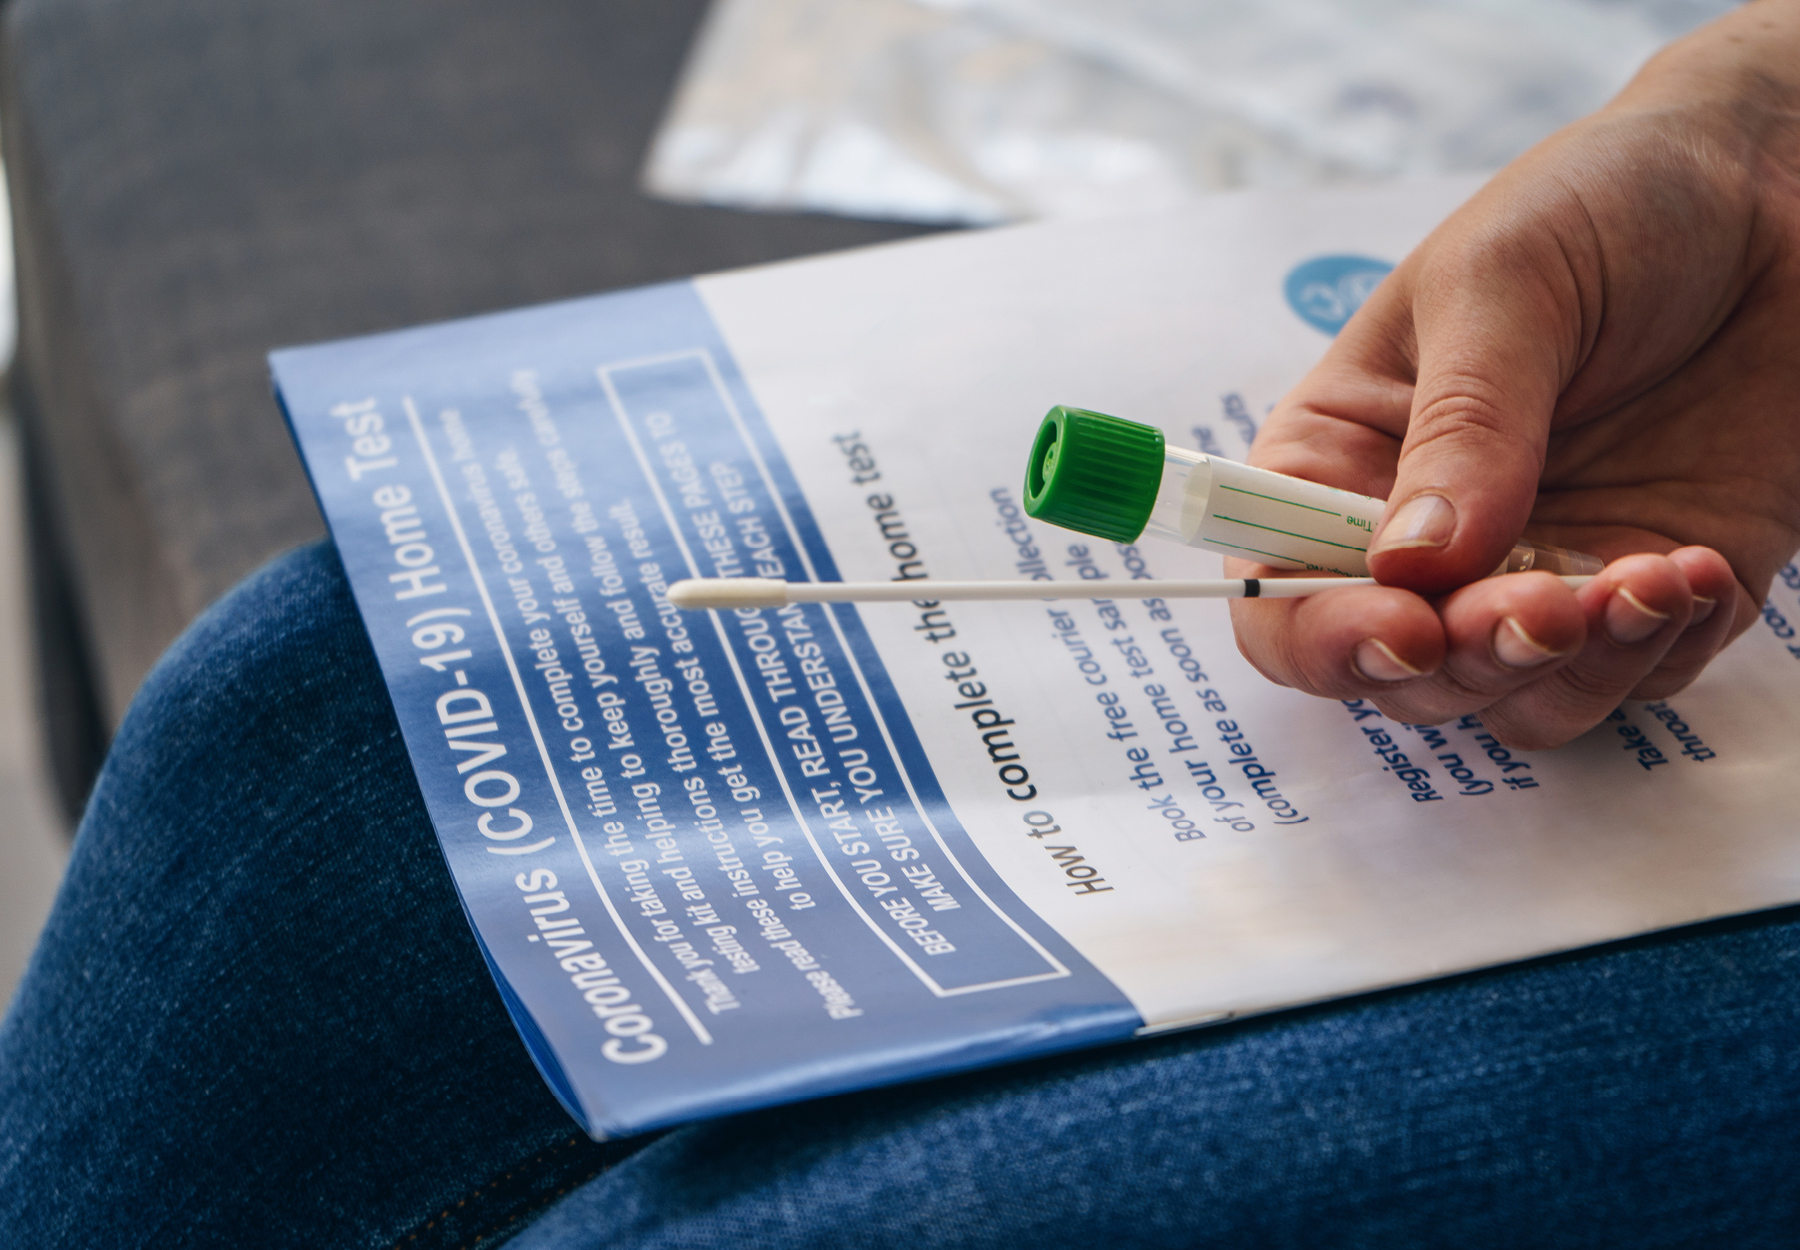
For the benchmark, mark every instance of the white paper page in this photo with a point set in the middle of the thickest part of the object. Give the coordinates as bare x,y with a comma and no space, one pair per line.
938,358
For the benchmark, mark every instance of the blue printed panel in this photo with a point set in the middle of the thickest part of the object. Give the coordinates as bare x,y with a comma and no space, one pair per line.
705,855
807,706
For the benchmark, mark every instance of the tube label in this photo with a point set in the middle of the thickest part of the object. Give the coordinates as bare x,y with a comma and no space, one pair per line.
1286,522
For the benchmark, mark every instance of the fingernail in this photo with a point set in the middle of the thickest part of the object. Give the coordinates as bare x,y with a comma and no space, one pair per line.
1427,521
1515,648
1629,619
1375,660
1703,608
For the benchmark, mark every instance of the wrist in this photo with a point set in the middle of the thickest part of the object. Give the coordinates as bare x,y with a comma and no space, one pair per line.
1737,77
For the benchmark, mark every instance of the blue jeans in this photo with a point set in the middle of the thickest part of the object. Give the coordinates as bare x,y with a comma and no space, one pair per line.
257,1018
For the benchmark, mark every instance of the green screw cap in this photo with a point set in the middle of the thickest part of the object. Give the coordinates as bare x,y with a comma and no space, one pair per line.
1094,473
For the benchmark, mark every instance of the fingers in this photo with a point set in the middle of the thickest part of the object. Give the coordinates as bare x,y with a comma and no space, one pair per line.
1502,635
1635,611
1439,394
1418,663
1540,663
1343,644
1719,602
1497,328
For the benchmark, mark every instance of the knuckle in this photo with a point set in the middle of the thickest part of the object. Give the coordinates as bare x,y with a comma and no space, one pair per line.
1580,686
1528,737
1463,407
1410,709
1467,413
1526,724
1477,685
1430,701
1665,682
1268,666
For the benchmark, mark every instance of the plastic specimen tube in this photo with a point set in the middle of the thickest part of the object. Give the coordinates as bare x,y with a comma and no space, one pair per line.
1119,479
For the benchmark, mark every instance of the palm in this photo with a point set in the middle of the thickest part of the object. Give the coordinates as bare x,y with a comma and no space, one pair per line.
1706,456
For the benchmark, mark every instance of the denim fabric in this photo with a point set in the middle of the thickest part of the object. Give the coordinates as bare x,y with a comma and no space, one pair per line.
257,1019
1642,1096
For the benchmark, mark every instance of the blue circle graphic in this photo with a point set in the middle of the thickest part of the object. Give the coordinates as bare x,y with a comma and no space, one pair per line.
1326,290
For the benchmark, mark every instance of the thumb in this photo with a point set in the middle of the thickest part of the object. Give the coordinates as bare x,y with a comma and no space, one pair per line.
1492,348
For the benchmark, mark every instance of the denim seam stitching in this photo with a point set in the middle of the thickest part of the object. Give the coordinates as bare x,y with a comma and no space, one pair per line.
532,1210
572,1140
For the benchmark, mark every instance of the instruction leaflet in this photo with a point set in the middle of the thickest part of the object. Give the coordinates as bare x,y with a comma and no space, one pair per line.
721,860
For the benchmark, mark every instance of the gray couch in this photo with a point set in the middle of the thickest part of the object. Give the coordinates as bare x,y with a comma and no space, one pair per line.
195,182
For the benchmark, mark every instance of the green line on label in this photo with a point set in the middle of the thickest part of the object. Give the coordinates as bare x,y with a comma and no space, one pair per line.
1318,568
1273,499
1290,533
1258,551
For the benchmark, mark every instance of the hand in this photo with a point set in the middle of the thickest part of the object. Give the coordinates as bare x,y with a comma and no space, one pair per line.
1600,350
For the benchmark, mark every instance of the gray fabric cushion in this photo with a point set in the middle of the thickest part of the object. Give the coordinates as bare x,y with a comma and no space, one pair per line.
198,181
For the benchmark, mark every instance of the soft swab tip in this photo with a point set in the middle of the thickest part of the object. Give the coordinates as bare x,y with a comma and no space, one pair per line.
694,593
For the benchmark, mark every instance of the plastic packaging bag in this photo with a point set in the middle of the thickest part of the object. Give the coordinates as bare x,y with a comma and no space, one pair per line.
977,111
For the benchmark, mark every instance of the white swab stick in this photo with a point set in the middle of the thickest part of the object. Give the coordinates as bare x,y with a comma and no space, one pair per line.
765,592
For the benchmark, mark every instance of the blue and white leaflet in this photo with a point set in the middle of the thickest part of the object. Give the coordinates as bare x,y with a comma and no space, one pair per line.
722,860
